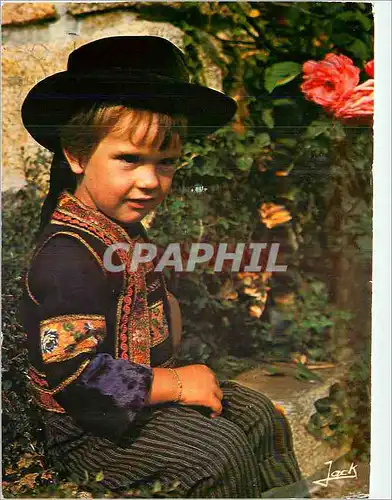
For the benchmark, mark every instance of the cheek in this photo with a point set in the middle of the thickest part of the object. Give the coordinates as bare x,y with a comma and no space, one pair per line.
166,183
108,182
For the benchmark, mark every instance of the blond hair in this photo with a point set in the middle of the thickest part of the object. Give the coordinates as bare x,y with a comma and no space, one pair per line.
86,129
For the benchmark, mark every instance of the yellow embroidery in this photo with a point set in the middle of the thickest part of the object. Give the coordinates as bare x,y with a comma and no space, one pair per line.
34,370
29,291
64,337
158,324
170,362
154,285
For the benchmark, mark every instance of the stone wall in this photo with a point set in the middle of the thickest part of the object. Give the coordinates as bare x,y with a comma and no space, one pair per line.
36,41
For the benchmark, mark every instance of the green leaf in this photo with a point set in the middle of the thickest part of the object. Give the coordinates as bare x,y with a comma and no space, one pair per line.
356,16
176,204
99,476
323,405
157,487
303,373
337,131
274,371
224,223
7,384
290,194
360,49
262,140
244,163
280,74
283,102
342,39
316,128
287,141
268,118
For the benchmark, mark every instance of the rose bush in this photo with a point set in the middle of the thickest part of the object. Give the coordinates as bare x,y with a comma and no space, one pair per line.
359,105
331,81
369,68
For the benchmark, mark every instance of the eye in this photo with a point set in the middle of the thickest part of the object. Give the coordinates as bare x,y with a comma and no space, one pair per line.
130,159
167,165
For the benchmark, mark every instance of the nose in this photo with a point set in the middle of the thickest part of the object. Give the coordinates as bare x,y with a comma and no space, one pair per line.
147,178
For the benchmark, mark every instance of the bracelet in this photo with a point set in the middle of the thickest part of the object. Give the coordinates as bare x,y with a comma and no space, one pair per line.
179,383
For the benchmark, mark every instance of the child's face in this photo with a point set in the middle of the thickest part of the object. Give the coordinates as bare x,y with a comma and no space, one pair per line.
125,181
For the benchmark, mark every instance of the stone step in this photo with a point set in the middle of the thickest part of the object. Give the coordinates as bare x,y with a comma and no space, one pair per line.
297,398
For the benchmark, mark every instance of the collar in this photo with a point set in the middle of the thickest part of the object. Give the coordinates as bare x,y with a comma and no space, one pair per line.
71,210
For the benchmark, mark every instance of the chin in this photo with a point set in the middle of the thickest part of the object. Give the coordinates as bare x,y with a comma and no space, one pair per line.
131,218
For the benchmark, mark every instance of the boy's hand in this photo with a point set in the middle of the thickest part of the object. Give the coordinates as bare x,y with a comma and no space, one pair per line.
200,387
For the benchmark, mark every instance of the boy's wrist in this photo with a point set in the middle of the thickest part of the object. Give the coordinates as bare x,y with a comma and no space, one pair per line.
179,384
165,386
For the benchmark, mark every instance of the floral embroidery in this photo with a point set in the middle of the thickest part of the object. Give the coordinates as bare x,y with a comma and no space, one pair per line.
64,337
50,341
158,324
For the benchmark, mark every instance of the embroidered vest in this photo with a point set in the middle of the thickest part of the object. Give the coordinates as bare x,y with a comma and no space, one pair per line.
137,324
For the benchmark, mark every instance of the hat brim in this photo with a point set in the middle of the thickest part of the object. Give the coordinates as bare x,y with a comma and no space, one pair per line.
51,103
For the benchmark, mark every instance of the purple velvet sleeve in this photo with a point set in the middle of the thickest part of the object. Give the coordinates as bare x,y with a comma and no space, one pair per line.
125,384
108,394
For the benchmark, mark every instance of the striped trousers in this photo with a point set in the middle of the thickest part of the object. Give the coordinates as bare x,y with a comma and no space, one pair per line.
247,452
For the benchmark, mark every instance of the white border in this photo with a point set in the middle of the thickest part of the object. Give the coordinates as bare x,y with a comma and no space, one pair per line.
380,464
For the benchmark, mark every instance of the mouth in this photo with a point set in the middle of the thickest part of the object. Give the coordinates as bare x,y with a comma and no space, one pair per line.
140,203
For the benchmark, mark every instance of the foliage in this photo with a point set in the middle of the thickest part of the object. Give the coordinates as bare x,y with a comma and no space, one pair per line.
30,479
344,416
306,324
20,424
331,417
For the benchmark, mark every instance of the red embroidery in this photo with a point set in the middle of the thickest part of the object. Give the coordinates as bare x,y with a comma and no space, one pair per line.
47,401
38,379
131,320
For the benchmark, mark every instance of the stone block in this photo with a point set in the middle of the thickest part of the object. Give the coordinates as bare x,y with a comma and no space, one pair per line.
114,23
23,67
297,399
80,9
24,13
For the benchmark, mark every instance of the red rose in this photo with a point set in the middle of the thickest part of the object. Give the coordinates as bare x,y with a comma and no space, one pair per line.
331,81
360,104
369,68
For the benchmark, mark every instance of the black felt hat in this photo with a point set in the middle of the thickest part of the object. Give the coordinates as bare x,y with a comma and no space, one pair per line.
146,72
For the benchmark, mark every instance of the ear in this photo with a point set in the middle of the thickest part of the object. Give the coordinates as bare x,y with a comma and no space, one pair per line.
74,163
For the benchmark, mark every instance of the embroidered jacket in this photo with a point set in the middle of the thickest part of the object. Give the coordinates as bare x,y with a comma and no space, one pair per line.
93,334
